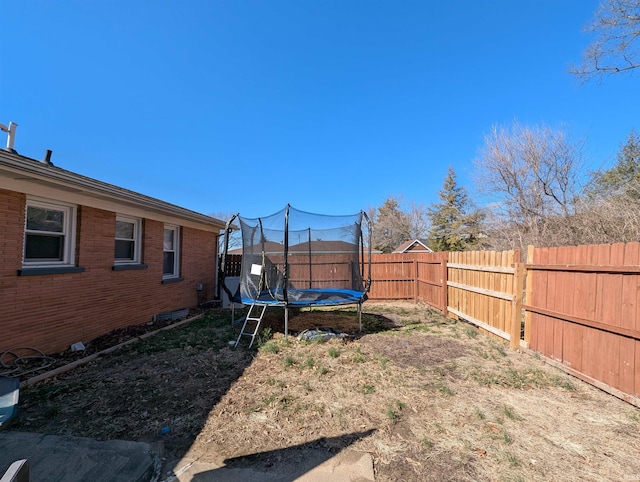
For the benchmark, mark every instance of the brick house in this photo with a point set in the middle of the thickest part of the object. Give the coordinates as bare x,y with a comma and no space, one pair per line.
80,257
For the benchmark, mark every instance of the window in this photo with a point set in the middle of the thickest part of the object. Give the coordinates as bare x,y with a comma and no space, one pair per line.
128,235
49,234
171,248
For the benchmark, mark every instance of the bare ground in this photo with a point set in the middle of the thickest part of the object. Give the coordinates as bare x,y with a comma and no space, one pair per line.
429,398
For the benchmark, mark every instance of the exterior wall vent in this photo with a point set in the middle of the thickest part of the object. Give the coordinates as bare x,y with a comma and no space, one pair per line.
172,315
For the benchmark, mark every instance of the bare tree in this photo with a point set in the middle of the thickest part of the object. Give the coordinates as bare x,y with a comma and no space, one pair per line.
393,225
501,233
235,237
531,176
610,212
616,47
418,220
603,221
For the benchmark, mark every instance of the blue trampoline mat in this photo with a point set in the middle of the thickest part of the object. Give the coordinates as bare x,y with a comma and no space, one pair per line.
308,297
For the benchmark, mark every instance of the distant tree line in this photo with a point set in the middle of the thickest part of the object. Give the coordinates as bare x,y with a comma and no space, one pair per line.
532,178
538,194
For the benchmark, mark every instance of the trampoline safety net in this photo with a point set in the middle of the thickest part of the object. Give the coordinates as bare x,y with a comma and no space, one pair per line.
296,258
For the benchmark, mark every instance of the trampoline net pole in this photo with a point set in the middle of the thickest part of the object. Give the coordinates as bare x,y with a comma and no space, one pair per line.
310,271
285,264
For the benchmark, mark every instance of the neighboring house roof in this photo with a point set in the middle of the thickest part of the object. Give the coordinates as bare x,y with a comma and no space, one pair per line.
324,247
413,246
23,174
269,247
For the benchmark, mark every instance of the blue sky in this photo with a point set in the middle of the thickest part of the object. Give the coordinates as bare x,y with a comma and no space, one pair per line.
225,106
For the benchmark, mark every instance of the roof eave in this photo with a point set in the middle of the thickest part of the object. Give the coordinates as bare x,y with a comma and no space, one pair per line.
37,171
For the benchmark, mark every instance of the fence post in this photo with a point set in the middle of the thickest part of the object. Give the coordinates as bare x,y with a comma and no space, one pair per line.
528,296
443,280
415,280
516,316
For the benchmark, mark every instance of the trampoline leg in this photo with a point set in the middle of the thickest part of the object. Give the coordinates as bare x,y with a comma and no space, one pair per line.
286,322
360,315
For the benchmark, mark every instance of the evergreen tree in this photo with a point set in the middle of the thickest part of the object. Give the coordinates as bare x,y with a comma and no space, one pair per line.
624,177
455,224
392,226
610,212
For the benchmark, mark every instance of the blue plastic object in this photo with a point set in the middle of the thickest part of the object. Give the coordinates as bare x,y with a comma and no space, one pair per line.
9,394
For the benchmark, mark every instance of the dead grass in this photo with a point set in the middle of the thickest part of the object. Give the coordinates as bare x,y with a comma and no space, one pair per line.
429,398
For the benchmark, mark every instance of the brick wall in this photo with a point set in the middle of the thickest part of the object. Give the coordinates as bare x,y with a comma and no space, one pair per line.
50,312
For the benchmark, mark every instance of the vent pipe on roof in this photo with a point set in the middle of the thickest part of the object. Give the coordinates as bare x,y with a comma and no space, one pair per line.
47,158
11,137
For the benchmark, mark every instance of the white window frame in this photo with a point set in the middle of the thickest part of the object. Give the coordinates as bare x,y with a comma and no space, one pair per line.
137,241
175,250
68,233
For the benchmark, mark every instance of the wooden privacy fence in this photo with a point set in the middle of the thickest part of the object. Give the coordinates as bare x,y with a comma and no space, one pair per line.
410,276
581,306
485,288
233,264
583,312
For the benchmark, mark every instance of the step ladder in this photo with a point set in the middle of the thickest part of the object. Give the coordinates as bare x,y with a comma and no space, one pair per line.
252,323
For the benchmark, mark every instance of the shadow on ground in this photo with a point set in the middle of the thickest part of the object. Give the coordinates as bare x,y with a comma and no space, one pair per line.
341,320
292,463
159,390
162,389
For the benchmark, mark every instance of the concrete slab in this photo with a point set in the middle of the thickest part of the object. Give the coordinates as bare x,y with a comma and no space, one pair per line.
311,465
54,458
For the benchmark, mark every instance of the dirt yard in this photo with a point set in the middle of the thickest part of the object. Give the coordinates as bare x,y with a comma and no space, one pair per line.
429,398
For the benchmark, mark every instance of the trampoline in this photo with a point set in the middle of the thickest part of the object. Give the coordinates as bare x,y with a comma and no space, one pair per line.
293,258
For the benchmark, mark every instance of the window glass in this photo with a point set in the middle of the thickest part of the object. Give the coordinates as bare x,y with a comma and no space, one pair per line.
169,263
43,219
168,239
44,247
171,255
124,230
128,240
49,233
125,250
